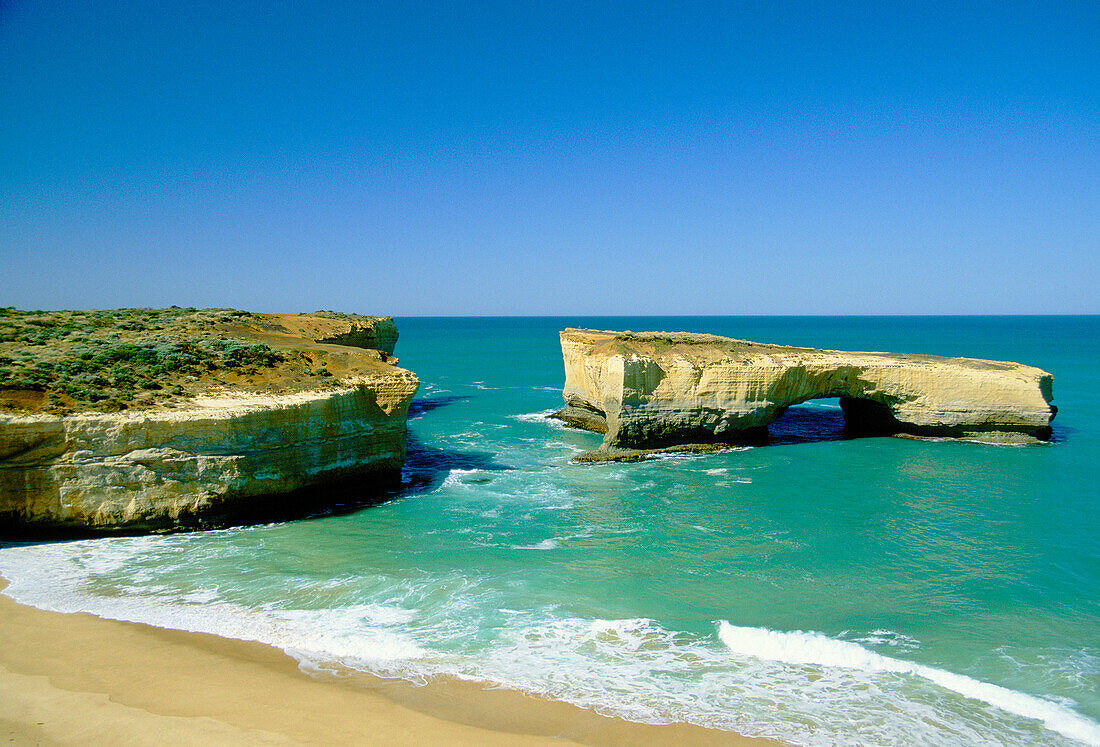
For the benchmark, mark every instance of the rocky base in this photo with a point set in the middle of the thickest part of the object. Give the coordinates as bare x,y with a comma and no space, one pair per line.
614,454
582,416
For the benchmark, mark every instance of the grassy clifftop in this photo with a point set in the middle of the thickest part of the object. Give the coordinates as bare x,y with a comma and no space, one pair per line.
61,362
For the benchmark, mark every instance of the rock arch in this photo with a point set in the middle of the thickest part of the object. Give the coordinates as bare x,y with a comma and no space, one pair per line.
658,389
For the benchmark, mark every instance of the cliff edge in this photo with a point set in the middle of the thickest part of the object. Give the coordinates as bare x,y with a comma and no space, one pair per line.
658,389
142,420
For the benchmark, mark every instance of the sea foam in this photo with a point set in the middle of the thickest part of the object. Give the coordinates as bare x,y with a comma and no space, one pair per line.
546,544
366,633
815,649
638,669
456,477
542,417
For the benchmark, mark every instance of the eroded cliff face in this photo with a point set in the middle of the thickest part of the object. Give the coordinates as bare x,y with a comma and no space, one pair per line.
657,389
196,462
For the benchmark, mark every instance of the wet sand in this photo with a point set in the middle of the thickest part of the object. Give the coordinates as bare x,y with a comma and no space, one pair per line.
78,678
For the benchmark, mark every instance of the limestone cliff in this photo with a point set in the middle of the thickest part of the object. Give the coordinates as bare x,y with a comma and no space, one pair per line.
195,459
655,389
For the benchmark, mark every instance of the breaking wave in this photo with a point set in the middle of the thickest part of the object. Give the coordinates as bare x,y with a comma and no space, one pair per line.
816,649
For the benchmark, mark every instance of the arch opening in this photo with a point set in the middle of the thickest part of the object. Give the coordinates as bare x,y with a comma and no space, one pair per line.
831,419
807,422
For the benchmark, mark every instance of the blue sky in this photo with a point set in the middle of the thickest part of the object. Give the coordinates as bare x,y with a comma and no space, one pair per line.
552,158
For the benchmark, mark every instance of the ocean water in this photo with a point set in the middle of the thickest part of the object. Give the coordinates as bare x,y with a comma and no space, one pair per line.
819,590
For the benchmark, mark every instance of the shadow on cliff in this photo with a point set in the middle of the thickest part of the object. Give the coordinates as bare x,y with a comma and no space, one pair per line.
425,469
824,421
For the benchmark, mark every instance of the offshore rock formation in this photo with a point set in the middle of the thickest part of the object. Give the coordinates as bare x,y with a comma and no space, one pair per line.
227,451
655,389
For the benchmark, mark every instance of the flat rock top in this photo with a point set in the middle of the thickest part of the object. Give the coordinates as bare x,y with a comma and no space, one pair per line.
320,326
706,348
64,362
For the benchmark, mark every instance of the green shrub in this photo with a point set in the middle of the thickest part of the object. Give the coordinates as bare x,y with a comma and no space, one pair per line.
99,365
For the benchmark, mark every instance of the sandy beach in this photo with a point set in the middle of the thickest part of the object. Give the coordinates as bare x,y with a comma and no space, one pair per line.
77,678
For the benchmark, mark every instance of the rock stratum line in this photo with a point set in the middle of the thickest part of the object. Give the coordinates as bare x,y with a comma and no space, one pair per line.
652,390
191,462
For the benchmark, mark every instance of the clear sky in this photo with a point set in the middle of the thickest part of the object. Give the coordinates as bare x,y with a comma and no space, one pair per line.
462,158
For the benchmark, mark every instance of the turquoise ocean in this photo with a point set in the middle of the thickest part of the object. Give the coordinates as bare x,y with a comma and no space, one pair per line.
818,589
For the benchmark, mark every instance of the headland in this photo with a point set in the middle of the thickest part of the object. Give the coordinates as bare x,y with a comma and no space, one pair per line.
160,419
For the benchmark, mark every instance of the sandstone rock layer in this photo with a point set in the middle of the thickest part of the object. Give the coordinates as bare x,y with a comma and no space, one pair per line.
655,389
194,463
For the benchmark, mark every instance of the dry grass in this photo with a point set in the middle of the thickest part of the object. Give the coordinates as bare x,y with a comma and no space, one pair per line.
60,362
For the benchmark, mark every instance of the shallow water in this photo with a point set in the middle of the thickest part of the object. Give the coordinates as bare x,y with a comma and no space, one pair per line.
817,589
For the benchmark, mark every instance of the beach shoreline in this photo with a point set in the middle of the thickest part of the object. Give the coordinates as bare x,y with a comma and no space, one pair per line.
68,678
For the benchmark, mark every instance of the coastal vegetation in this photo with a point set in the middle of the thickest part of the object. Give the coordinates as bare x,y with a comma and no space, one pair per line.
108,360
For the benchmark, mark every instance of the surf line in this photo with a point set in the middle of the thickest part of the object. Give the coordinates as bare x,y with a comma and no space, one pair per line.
799,647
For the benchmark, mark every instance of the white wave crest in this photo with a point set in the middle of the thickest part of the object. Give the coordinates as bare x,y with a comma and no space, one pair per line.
819,406
632,668
454,477
369,633
889,638
810,648
546,544
542,417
